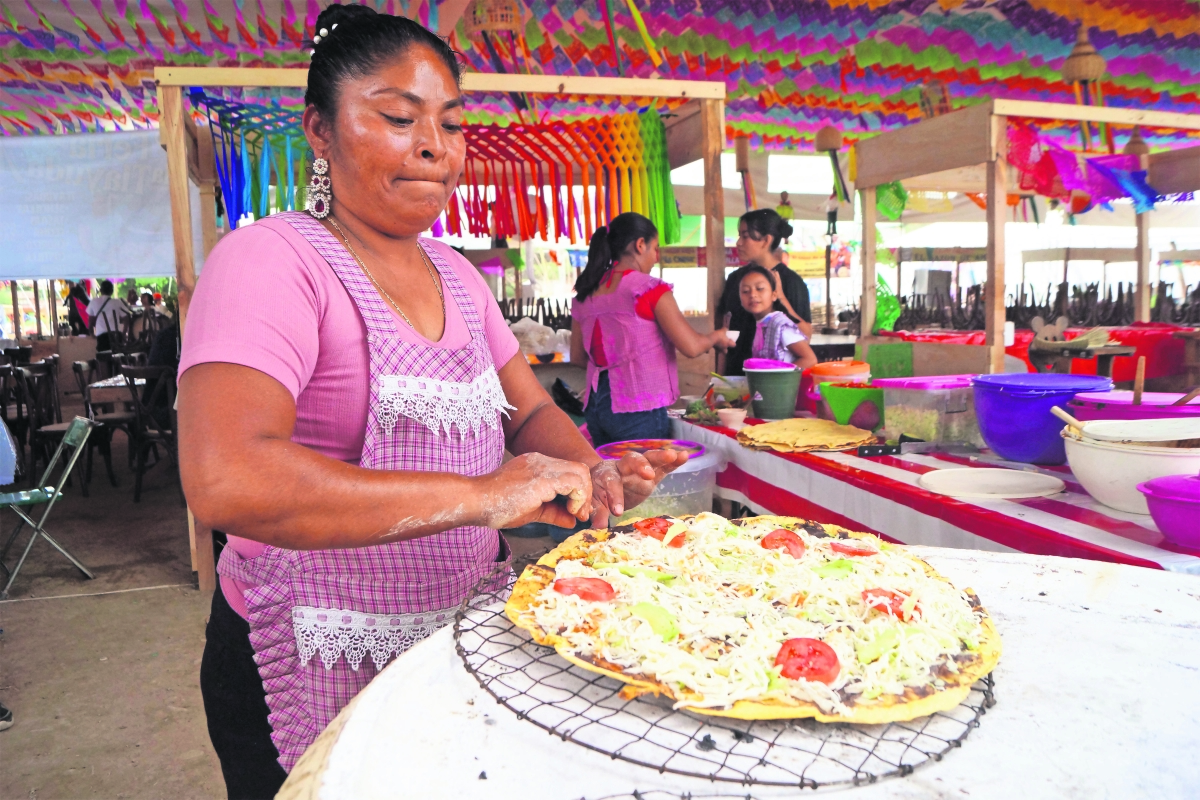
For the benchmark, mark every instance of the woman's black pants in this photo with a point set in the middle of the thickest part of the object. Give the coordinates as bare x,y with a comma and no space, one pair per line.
236,707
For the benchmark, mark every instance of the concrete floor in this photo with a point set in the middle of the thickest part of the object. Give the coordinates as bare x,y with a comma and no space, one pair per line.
104,688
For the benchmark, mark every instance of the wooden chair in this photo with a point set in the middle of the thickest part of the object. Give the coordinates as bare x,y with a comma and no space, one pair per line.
105,368
40,390
12,405
154,407
106,420
74,437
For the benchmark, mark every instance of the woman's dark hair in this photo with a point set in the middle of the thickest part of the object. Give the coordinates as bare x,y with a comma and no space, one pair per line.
607,245
363,41
764,222
755,269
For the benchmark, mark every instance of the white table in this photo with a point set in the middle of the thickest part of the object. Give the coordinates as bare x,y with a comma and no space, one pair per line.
1098,696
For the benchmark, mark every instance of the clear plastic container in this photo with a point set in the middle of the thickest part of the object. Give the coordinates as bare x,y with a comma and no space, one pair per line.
687,490
938,408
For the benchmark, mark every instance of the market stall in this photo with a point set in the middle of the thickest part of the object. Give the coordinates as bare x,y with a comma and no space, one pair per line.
190,157
981,135
1074,705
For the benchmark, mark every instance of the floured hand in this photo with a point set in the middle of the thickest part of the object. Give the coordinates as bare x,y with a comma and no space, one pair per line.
527,489
620,485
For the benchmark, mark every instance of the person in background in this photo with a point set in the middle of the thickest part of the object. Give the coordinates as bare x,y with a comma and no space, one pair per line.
777,335
759,236
106,313
626,327
131,298
77,303
147,301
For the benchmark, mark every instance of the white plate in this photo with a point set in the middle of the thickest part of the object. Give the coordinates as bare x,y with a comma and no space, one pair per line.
989,482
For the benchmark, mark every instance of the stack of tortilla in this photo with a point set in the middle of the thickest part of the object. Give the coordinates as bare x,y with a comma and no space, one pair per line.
803,436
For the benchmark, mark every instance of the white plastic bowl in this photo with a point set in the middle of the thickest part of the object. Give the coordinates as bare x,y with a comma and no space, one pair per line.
1110,471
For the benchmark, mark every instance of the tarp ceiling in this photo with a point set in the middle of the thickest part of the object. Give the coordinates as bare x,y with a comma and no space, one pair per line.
790,66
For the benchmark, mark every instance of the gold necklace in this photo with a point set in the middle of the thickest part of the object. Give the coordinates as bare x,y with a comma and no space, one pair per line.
424,260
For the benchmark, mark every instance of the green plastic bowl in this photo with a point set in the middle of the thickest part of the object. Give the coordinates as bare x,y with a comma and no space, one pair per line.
859,404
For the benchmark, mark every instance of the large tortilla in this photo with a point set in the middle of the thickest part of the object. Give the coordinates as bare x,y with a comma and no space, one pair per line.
803,435
887,708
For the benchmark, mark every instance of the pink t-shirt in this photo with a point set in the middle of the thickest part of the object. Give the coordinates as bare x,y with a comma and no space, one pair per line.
267,300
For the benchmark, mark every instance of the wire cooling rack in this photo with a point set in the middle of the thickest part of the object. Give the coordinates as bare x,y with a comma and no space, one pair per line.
586,708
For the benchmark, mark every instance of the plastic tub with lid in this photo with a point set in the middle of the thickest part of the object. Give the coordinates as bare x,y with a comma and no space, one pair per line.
936,408
1119,405
687,490
1174,502
1014,416
773,385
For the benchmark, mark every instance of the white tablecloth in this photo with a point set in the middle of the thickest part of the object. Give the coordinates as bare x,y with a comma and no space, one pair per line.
1098,696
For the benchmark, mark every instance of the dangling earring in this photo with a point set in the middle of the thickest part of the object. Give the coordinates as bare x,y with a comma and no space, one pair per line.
319,197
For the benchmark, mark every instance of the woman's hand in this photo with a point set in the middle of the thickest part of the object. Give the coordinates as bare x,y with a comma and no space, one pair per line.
621,485
527,489
720,339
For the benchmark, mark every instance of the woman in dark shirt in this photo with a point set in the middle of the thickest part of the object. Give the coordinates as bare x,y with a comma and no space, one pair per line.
759,235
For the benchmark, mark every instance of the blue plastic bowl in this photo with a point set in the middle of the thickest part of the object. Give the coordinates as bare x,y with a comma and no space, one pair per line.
1014,412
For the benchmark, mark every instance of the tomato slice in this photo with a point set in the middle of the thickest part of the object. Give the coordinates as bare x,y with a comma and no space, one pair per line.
658,528
591,589
780,539
888,602
808,659
851,548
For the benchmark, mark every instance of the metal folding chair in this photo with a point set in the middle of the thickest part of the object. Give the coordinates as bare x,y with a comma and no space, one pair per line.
73,441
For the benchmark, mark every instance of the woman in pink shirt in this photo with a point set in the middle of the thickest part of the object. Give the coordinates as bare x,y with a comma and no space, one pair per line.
626,326
349,437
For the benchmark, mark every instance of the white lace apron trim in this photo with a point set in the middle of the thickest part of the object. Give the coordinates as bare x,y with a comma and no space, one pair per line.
334,633
440,404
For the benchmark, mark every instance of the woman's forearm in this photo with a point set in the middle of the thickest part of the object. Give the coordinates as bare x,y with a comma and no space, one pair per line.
548,430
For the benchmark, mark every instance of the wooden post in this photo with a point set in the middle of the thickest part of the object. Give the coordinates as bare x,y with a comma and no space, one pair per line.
867,261
712,123
208,217
1141,290
53,295
37,308
993,295
16,313
173,136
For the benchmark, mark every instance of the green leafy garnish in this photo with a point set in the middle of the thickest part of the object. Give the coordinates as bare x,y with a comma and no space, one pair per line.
646,572
661,621
840,568
873,649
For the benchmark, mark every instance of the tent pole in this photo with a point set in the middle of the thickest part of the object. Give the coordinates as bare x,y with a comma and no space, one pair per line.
37,308
993,295
712,126
16,313
53,307
173,135
867,262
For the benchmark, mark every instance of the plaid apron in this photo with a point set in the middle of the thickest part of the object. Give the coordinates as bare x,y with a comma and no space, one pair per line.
315,615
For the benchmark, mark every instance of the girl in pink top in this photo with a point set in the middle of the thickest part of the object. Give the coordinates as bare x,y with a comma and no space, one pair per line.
626,326
349,436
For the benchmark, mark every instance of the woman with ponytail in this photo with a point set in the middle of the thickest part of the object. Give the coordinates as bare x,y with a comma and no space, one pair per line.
760,233
626,327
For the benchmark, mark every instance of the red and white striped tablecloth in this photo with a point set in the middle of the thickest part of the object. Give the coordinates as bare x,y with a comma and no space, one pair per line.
880,495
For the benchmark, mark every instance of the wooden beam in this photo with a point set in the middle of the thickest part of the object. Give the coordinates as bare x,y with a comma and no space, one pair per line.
1119,116
993,293
208,217
951,141
1175,171
867,262
1109,255
53,296
713,124
471,82
37,308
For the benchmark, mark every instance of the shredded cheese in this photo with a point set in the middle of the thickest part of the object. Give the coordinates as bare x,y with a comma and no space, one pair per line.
734,603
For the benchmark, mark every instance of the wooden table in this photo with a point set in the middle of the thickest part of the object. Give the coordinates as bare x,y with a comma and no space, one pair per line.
1059,360
880,495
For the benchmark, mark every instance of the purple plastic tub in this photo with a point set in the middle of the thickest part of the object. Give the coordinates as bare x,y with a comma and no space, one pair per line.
1175,506
1014,412
1119,405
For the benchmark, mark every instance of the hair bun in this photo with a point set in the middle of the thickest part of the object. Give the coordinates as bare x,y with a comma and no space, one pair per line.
338,14
785,228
